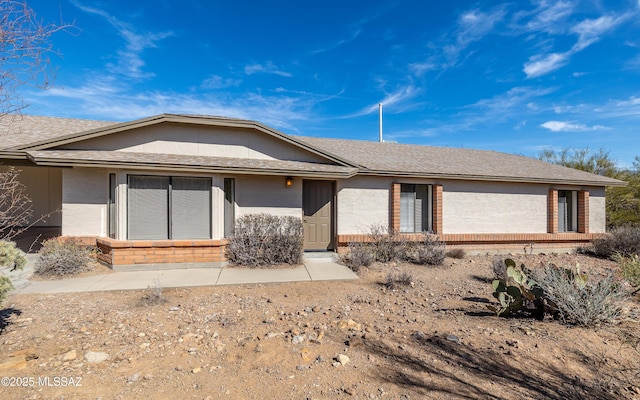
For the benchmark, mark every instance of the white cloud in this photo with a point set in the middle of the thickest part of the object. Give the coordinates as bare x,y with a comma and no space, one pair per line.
548,14
589,31
539,65
396,101
563,126
218,82
268,68
130,62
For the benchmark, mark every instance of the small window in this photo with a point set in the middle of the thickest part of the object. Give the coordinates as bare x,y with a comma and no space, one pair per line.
567,211
229,206
416,208
111,208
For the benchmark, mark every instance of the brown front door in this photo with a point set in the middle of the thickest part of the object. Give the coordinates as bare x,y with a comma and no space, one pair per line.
317,218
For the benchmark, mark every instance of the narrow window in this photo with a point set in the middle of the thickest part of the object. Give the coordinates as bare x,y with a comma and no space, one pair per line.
416,208
229,206
190,208
567,211
111,208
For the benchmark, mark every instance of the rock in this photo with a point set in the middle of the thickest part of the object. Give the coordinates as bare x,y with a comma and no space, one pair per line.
196,370
148,376
453,338
95,357
174,309
297,339
342,359
349,324
133,378
513,343
141,334
69,355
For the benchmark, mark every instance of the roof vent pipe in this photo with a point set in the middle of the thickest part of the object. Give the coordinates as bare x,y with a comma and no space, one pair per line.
380,117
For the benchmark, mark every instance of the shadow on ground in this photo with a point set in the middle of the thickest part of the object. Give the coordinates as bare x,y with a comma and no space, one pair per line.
470,373
5,314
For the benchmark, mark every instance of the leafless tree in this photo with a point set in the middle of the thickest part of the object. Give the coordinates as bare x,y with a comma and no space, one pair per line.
15,206
24,49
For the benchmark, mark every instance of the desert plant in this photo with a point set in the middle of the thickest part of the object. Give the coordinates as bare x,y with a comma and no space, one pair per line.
153,295
624,240
358,255
578,300
630,268
456,253
430,251
388,245
60,258
517,293
394,280
499,269
10,256
263,239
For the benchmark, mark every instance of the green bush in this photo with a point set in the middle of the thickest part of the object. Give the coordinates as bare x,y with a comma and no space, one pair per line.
10,256
624,240
59,258
630,268
263,239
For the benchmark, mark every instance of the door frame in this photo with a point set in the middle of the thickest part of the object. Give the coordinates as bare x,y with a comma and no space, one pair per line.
334,215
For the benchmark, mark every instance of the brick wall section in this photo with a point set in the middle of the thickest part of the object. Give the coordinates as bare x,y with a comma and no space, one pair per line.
394,220
126,252
583,211
489,238
437,209
552,211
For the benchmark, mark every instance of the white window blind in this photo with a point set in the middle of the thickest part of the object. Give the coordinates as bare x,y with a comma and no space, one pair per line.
148,207
190,208
416,208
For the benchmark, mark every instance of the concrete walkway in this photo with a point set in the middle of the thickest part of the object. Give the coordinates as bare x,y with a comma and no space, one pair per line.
314,269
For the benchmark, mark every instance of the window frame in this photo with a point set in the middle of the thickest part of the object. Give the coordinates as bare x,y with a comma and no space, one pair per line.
169,206
426,217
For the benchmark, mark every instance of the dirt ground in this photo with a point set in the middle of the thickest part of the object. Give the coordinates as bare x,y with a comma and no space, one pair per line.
434,339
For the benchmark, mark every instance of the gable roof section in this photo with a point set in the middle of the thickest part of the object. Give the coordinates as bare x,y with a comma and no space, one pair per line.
453,163
37,137
202,120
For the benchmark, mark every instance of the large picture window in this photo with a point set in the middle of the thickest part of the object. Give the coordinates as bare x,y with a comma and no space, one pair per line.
416,212
162,207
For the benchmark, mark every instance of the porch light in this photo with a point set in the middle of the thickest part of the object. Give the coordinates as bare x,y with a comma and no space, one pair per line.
288,182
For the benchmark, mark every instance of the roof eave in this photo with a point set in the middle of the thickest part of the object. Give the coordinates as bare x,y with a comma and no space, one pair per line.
50,162
469,177
13,155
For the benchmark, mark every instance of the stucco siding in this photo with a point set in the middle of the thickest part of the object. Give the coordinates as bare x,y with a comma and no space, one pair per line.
483,207
199,141
84,202
362,202
597,210
43,186
266,194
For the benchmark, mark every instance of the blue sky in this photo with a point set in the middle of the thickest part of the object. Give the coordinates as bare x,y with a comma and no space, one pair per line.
514,76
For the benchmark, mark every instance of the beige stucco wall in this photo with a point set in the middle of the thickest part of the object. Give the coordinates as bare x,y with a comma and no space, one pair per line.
199,141
363,201
266,194
494,207
84,201
43,186
597,213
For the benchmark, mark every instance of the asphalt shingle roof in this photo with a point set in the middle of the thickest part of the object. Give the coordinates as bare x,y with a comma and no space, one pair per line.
370,157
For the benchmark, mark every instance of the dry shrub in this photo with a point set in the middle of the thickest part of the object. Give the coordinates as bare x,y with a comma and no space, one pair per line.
358,255
59,258
578,300
394,280
387,245
430,251
153,295
263,240
456,253
499,269
630,268
624,240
